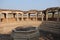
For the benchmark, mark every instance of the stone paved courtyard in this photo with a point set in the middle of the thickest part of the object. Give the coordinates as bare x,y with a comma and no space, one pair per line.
6,29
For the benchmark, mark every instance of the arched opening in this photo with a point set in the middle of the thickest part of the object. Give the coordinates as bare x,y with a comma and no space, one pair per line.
32,16
4,14
29,15
39,16
14,15
20,16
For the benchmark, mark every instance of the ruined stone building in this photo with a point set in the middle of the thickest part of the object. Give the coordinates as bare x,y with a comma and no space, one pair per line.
50,14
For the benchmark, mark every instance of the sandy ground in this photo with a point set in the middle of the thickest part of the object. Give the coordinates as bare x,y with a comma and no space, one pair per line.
6,27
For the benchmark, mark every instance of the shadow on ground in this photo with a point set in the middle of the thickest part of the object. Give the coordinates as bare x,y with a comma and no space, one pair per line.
5,37
50,30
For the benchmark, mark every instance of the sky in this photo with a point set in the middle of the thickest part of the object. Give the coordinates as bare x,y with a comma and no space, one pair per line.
28,4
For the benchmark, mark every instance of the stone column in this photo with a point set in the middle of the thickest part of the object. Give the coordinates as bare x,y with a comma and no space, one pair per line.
46,15
42,15
22,16
17,17
58,16
36,16
27,16
7,17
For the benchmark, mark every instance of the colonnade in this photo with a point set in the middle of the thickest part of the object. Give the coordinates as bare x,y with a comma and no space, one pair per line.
30,15
58,15
22,16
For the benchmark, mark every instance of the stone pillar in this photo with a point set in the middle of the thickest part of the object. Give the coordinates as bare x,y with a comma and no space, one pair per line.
17,17
46,15
42,15
27,16
22,16
58,16
36,16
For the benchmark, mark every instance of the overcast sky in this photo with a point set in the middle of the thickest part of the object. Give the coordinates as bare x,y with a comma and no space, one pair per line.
28,4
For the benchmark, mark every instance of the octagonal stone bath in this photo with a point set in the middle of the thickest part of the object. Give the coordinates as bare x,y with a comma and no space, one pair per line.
28,33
